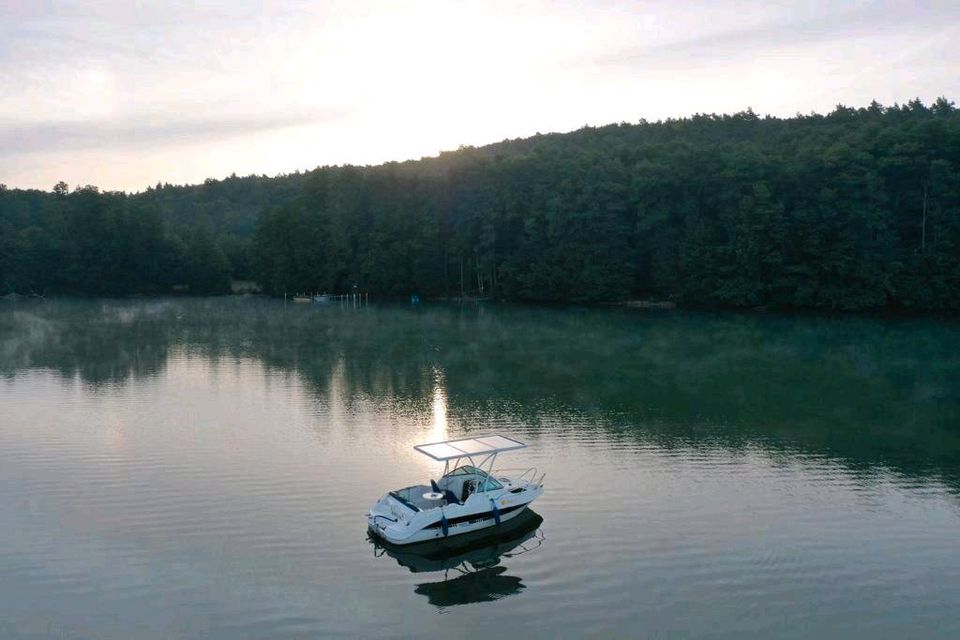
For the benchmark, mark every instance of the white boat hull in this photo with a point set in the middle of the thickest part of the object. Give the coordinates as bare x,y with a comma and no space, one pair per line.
398,524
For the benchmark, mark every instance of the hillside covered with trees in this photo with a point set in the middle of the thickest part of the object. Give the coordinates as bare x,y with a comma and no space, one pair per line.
856,209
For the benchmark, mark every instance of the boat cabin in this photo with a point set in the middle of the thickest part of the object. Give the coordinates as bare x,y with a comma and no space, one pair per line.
473,460
456,486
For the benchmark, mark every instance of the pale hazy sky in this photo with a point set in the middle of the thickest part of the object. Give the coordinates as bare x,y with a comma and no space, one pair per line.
126,93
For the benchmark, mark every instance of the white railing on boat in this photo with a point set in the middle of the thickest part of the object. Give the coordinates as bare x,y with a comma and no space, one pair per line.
528,475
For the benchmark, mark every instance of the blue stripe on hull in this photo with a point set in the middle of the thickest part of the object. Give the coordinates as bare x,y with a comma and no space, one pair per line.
487,515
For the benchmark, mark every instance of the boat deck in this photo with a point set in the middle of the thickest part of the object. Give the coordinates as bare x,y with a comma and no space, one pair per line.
414,496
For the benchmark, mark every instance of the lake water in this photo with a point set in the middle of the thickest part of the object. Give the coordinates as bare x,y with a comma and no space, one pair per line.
201,468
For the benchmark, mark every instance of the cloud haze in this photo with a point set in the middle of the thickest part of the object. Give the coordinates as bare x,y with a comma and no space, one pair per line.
123,94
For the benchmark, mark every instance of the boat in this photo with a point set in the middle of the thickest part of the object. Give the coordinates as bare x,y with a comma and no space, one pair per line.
470,495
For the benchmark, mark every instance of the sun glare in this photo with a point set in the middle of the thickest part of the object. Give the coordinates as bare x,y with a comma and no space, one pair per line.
438,427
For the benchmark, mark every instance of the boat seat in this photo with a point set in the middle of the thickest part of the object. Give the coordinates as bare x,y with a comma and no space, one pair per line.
467,490
450,496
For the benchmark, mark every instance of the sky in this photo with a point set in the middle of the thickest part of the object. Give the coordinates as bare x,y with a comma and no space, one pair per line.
123,94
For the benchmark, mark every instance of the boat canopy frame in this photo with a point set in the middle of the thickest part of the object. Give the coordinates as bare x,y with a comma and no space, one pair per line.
485,448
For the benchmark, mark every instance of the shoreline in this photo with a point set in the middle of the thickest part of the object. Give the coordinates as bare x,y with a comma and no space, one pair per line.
635,305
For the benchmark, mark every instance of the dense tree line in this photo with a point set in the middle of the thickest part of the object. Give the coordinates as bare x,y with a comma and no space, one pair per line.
193,238
856,209
85,241
230,206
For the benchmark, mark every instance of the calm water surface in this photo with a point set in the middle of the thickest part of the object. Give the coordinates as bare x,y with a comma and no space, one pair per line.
201,468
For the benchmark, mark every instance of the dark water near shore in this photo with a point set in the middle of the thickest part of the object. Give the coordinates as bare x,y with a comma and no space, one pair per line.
201,468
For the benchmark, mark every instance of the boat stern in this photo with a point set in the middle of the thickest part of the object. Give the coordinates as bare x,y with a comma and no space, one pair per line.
385,521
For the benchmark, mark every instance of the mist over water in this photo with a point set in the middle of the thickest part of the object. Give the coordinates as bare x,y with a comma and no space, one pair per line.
202,468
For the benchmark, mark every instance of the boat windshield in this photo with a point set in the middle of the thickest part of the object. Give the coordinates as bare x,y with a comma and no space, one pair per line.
490,484
484,481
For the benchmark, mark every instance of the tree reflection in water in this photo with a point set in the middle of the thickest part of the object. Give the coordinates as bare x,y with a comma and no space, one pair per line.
869,393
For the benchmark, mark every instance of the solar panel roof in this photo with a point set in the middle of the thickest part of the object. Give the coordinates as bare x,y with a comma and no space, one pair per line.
464,447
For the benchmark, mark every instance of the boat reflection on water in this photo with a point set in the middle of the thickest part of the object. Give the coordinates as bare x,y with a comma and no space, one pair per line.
470,563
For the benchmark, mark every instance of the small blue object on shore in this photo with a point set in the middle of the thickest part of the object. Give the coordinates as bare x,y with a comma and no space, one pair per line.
414,299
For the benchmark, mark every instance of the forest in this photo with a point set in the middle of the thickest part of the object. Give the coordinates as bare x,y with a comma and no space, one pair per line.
858,209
